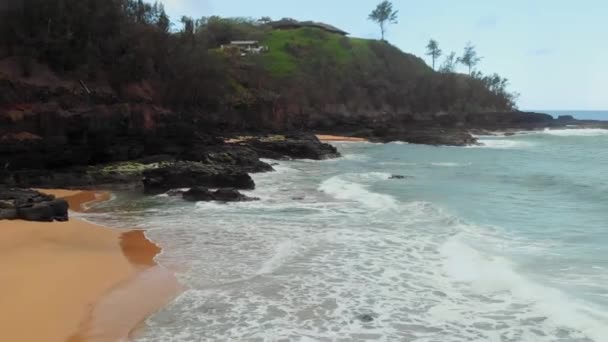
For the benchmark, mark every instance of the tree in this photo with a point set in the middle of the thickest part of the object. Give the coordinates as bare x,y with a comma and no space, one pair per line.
449,64
433,50
265,20
383,15
163,22
469,57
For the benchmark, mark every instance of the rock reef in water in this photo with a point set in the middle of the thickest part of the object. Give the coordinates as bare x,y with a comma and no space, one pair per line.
200,194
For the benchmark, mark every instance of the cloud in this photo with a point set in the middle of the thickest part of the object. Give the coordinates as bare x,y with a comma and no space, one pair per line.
541,52
195,8
487,22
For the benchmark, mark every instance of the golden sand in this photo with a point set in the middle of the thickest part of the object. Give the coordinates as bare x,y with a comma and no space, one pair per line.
337,138
76,281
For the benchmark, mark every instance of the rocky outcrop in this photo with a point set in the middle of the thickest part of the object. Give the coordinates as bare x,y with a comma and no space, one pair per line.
199,194
243,157
436,136
194,174
31,205
294,146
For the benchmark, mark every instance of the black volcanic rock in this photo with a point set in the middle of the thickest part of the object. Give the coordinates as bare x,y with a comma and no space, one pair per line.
199,194
193,174
434,136
31,205
238,156
295,146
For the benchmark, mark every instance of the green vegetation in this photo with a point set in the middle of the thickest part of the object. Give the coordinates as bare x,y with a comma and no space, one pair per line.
449,64
433,50
383,15
290,50
306,72
469,57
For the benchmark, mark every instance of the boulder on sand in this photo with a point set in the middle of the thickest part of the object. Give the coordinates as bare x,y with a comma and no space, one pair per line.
31,205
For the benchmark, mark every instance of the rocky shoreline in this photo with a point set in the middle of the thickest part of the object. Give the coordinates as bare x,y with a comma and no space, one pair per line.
52,137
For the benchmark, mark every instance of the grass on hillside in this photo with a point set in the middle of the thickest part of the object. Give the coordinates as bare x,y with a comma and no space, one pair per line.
289,49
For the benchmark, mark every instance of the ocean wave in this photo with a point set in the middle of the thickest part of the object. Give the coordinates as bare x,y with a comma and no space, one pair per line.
342,189
576,132
502,144
497,278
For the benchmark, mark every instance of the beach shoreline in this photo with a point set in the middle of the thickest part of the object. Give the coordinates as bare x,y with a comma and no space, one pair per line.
77,281
338,138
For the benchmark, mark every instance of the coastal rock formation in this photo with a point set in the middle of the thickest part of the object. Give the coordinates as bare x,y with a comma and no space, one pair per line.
31,205
242,157
435,136
193,174
294,146
199,194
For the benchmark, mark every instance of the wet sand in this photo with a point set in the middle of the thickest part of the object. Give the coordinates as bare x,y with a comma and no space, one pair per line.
337,138
76,281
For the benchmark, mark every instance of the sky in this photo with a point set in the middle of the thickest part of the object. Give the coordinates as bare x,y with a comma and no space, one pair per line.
554,52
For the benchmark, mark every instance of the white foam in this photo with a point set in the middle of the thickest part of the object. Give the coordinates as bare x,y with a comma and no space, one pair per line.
497,276
368,176
345,190
502,144
576,132
354,157
282,253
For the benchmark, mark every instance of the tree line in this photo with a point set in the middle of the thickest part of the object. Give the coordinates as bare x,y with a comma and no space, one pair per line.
124,41
385,14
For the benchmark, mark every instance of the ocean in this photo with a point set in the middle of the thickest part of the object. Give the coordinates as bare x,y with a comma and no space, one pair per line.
578,114
502,242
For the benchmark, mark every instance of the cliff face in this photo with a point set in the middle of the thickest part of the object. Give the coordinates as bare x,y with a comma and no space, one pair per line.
45,127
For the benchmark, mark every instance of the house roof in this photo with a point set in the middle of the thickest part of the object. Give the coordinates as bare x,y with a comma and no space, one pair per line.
243,42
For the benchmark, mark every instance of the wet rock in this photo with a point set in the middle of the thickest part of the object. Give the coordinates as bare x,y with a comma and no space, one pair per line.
8,214
436,137
194,174
31,205
7,204
396,177
231,195
366,318
296,146
245,158
199,194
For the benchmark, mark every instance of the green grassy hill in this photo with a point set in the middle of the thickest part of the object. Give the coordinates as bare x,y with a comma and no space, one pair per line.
293,51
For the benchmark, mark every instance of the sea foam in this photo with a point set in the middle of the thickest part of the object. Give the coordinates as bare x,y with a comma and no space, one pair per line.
343,189
576,132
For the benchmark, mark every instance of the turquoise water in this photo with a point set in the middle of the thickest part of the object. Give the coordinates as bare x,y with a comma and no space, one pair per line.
502,242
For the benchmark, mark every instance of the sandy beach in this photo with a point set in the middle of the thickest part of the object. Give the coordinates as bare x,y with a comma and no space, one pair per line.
337,138
76,281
